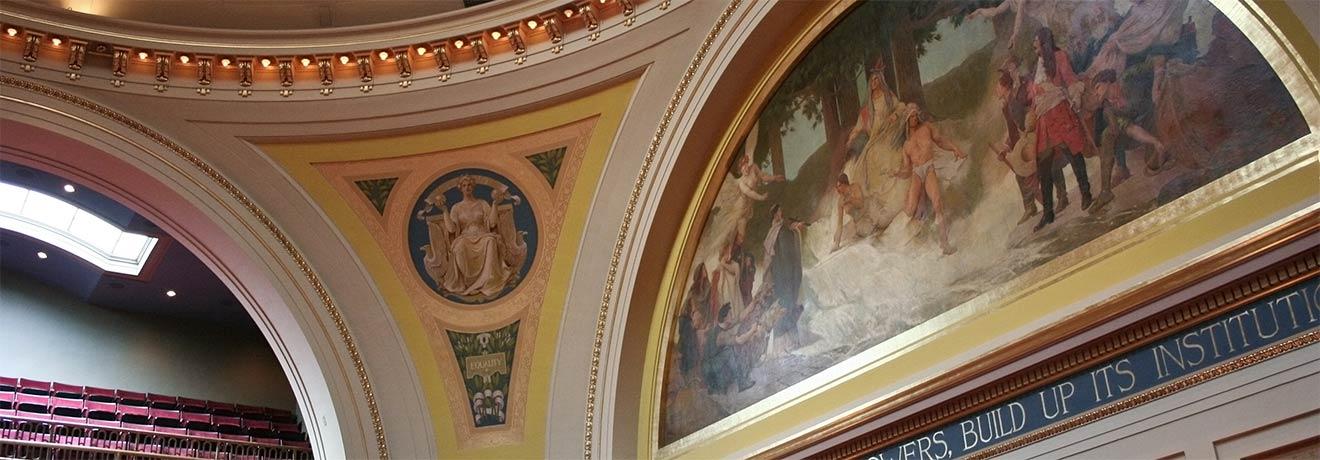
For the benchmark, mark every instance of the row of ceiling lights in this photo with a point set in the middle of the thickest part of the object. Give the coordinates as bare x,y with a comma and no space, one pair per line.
553,23
43,256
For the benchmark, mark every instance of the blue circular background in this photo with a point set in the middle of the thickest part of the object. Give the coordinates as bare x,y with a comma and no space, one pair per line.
418,235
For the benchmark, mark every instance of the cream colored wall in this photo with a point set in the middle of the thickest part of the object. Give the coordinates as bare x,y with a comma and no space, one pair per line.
47,335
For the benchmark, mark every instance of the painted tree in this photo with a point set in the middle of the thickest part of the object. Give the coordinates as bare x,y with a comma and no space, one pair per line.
823,86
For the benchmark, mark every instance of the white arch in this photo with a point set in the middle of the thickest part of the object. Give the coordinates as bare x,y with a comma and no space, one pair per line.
63,134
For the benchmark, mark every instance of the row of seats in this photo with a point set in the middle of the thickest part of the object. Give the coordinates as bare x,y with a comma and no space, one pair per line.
25,438
139,399
148,412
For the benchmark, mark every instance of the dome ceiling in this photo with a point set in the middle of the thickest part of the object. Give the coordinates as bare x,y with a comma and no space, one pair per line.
259,14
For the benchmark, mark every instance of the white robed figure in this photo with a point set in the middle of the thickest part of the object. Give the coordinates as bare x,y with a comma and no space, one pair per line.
482,247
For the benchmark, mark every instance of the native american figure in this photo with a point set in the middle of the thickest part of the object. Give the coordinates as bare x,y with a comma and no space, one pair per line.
476,250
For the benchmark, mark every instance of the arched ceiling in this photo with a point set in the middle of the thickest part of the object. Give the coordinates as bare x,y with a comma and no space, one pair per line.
340,175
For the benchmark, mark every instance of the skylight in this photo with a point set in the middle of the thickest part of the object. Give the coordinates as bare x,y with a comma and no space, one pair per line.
73,229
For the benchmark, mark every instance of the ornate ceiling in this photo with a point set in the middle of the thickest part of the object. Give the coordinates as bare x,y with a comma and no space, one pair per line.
328,210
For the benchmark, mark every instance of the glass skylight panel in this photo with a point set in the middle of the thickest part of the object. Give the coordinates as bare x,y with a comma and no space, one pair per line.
12,198
130,245
96,232
75,230
49,211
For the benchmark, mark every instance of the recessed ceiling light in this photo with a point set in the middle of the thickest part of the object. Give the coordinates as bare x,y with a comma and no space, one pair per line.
68,188
41,255
171,293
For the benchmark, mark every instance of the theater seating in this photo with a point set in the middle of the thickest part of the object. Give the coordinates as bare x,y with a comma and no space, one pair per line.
56,412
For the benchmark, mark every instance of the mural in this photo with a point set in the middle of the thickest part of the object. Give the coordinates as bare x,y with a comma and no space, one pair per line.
377,191
548,162
473,238
485,360
922,153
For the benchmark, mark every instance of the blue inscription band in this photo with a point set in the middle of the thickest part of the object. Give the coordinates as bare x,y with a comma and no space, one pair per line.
1271,319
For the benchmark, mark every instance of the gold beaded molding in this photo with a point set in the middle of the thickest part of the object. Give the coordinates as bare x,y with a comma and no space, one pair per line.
633,198
327,303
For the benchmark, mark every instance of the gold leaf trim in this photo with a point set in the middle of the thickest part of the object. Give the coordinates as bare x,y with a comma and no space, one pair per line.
633,198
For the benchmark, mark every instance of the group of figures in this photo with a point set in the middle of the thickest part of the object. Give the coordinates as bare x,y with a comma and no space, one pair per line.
887,205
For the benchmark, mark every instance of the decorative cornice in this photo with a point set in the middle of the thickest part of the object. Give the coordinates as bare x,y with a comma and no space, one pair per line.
219,180
47,45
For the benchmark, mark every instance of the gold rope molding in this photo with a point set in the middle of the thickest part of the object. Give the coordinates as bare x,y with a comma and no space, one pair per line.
327,303
633,197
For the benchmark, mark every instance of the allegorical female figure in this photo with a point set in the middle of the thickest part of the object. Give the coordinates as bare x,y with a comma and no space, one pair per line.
482,251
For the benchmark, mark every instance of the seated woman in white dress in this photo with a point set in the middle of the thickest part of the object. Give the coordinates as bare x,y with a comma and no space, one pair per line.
474,260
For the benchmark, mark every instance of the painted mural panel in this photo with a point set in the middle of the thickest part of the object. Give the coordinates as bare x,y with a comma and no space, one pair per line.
485,359
469,237
473,237
922,153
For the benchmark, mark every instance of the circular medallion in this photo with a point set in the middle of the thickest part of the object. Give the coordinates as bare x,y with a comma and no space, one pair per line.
472,236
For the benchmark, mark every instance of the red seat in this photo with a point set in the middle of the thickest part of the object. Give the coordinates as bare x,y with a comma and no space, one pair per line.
163,401
66,409
192,405
8,384
303,444
33,387
232,426
30,405
252,412
131,398
134,417
64,390
234,436
259,429
222,409
265,440
7,402
169,429
100,394
96,410
166,418
198,424
205,433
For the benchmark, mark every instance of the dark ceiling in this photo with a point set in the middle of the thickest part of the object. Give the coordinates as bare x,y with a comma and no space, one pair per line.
200,294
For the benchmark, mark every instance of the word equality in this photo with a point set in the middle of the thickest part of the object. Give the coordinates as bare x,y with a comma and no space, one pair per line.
1269,320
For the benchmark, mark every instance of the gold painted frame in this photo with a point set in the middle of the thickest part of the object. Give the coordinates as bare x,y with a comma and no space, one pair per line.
1284,179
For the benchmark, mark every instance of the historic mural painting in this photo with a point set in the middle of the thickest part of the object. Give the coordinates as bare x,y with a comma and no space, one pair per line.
473,238
485,360
922,153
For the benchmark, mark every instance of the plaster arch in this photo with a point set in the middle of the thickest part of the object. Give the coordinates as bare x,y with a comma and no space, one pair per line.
718,91
63,134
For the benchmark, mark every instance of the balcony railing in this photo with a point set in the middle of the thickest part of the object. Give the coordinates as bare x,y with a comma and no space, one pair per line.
22,437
